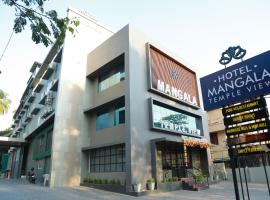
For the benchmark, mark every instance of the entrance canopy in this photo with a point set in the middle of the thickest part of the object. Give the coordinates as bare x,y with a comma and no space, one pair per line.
12,142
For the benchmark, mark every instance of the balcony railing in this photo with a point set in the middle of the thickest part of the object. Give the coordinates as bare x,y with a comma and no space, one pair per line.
40,85
54,85
49,70
47,112
31,97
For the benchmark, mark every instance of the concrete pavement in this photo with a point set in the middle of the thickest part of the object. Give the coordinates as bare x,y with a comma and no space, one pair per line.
18,190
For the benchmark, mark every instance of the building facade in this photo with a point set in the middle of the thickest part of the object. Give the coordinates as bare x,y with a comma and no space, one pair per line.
111,106
218,139
49,117
143,113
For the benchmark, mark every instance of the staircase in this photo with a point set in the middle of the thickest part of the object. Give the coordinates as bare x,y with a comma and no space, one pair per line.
193,182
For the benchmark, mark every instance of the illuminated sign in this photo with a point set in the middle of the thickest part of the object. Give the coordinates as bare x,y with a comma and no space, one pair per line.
171,78
179,128
258,114
253,149
248,139
173,120
251,105
257,126
245,80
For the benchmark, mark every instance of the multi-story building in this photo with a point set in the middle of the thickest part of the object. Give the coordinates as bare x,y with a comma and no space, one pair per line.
49,116
112,106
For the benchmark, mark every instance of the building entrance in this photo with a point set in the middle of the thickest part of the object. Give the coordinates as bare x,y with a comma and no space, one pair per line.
174,163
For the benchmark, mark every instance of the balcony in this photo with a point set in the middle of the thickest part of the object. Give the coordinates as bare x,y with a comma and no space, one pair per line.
49,70
22,111
28,117
35,110
31,97
43,98
40,85
54,85
47,112
26,105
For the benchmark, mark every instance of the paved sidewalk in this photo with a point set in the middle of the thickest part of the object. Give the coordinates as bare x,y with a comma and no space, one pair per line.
18,190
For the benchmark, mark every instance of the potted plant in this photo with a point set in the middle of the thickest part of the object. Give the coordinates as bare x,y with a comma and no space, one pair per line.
151,184
137,187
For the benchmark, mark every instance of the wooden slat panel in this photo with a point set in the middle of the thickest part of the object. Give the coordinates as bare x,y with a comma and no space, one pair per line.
162,67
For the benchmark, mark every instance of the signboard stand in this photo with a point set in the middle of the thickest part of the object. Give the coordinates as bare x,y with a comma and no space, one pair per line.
247,123
232,163
266,175
240,120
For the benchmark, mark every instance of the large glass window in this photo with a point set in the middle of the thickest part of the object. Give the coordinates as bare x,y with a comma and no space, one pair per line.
111,116
104,119
168,119
111,77
108,159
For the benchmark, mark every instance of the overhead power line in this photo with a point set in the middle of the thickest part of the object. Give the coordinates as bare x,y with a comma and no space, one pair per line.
6,46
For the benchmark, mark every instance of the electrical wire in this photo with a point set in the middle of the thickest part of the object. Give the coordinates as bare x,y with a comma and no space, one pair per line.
6,46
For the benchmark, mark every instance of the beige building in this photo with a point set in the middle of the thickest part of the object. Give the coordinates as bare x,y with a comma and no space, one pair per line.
219,149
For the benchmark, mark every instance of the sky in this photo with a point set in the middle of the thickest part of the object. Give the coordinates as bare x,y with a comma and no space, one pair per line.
196,31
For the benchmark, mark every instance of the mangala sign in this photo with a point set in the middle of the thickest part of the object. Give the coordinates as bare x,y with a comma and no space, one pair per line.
248,79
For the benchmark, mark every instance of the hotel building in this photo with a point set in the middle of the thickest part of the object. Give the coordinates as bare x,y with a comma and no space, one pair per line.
109,106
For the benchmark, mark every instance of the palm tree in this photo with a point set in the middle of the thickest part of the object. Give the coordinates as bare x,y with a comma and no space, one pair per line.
4,102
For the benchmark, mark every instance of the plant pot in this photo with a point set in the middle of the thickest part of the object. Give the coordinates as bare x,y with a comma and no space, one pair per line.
137,187
151,186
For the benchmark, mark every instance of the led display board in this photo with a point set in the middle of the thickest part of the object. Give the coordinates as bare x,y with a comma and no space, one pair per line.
257,126
245,117
251,105
248,139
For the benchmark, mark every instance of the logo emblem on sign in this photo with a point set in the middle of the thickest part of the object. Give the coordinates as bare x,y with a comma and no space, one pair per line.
174,74
232,52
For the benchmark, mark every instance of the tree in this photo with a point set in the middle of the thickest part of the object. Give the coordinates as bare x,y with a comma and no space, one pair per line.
43,23
4,102
176,118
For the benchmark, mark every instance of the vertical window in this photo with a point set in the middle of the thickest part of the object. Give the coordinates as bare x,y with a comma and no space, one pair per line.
214,138
120,114
49,140
108,159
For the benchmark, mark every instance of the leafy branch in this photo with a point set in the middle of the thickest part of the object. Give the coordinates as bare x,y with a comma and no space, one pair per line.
43,24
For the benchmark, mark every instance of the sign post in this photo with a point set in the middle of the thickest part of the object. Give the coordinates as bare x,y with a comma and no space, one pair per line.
239,90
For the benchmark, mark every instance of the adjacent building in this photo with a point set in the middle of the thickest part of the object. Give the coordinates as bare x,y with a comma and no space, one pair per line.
110,105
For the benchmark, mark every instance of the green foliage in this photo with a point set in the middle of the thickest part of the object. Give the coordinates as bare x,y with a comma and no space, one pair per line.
113,181
43,23
199,176
176,118
151,180
4,102
85,180
106,181
118,182
170,179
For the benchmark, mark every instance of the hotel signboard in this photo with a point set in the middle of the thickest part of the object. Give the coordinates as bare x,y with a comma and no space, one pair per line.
171,78
242,81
